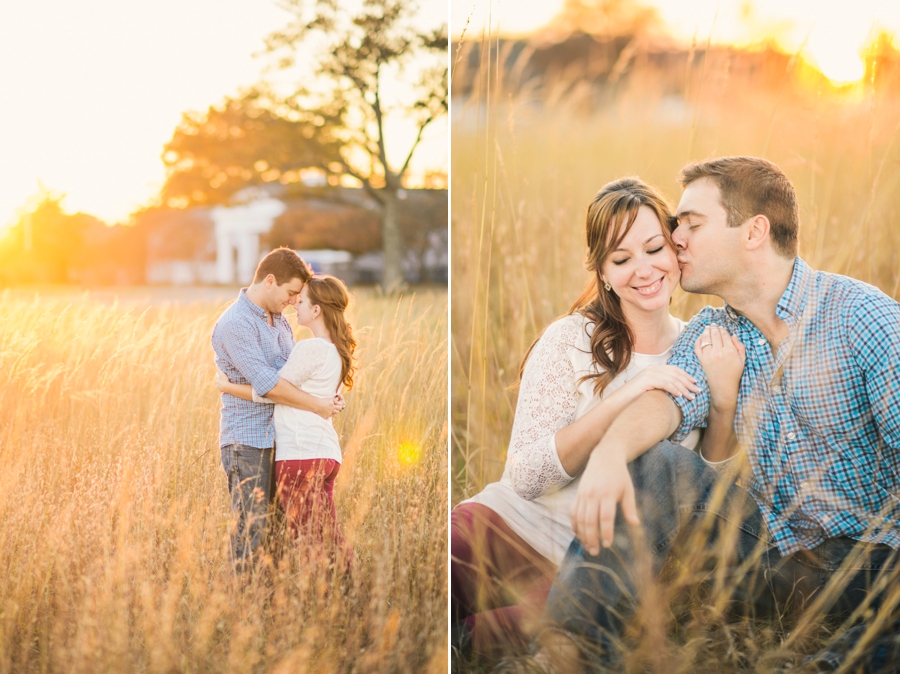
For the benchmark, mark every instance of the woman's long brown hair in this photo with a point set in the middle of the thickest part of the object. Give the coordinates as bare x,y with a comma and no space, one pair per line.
609,218
332,296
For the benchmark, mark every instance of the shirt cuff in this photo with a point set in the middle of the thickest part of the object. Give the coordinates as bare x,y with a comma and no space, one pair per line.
265,382
559,465
685,427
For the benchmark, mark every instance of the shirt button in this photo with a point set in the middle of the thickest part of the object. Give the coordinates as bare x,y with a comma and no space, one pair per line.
761,341
791,436
804,486
776,389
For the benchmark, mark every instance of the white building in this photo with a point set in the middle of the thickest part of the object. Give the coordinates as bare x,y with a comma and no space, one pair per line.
237,231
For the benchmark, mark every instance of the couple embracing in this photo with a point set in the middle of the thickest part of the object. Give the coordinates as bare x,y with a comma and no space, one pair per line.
278,398
792,487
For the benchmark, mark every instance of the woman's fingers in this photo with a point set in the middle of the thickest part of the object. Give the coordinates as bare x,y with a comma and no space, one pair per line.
629,506
607,518
675,387
681,383
707,344
690,383
715,341
585,523
703,341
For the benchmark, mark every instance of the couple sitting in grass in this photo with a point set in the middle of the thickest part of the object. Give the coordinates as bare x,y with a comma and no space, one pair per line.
788,506
278,400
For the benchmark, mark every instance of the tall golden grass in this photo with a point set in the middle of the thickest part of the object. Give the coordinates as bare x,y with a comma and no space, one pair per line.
114,512
526,163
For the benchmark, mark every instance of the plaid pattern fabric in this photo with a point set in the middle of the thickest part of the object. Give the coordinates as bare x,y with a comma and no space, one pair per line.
820,418
250,351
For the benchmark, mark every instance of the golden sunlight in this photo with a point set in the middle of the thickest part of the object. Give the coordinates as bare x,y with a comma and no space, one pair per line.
409,453
100,86
829,34
834,47
838,66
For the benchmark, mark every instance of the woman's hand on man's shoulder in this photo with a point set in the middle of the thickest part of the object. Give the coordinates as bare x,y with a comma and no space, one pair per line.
667,378
722,357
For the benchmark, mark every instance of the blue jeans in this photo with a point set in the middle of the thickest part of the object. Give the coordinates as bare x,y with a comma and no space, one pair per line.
251,482
686,511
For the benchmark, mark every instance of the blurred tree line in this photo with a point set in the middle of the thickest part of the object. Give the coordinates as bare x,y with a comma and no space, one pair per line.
48,245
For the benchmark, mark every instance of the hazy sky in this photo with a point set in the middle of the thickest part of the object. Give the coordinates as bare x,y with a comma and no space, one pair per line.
93,89
834,30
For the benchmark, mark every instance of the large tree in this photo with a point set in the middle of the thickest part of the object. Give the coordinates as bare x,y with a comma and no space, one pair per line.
239,144
364,59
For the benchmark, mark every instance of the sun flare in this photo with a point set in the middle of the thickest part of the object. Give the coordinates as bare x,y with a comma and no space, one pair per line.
409,453
838,59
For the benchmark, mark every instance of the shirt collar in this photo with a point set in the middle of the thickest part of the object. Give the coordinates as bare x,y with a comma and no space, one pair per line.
794,297
250,306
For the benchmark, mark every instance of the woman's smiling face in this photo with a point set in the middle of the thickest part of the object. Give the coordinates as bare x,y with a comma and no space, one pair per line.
642,270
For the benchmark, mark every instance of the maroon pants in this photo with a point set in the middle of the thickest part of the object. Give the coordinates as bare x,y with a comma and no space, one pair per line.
498,583
305,490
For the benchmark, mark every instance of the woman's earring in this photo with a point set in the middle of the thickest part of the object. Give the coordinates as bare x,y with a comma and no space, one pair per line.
607,286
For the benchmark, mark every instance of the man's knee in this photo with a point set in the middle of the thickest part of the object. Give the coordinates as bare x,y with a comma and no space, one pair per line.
670,460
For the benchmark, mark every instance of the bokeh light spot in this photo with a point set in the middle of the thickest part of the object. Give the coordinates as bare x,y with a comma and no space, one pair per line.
409,453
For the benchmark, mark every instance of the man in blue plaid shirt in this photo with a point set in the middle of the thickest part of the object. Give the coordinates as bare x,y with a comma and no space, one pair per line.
252,340
818,421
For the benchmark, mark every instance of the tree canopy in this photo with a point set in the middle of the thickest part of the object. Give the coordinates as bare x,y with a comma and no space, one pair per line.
239,144
364,59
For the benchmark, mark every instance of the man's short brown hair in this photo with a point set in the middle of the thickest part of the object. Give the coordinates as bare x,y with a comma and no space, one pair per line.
285,265
752,186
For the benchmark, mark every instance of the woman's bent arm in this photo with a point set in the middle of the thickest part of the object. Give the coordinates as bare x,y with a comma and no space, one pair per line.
576,442
548,446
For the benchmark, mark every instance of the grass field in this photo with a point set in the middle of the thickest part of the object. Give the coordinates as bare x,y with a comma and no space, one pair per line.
525,166
114,513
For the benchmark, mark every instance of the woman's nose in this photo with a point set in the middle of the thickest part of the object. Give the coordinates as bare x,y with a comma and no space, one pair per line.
644,267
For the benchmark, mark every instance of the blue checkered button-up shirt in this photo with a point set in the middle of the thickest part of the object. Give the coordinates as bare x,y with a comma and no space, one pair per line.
821,418
250,351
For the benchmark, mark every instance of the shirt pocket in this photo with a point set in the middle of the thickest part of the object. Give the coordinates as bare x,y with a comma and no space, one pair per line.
828,400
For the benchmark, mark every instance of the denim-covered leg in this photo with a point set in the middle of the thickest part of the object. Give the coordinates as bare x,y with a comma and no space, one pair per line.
594,596
858,579
250,472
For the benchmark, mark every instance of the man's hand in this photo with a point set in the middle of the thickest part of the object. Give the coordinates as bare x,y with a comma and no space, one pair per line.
221,380
604,484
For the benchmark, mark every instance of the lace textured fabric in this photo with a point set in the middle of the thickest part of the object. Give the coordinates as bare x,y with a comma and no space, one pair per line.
548,395
307,356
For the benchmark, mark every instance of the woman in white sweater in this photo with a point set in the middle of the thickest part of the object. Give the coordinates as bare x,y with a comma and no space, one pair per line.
579,374
307,450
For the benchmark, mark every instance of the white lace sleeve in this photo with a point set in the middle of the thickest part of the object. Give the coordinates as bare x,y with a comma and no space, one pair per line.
547,400
307,356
